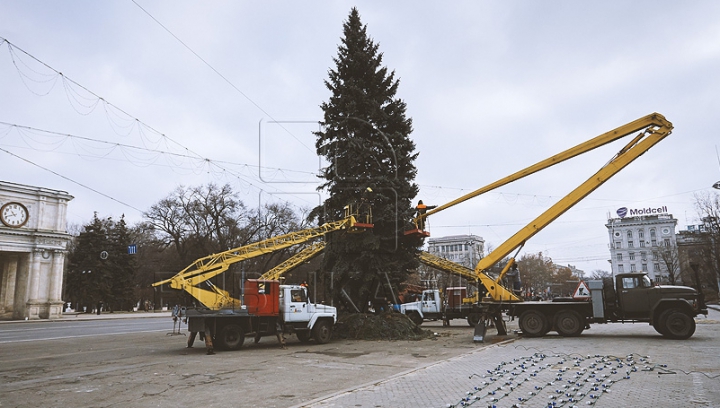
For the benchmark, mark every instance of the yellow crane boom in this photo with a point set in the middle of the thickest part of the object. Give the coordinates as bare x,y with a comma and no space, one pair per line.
653,128
305,255
494,288
210,266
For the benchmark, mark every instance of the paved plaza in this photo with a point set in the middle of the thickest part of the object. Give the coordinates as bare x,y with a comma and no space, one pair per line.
612,365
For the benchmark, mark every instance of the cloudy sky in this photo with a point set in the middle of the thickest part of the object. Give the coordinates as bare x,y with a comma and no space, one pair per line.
157,94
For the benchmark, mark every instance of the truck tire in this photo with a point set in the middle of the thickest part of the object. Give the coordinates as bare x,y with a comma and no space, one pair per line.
569,323
533,323
231,337
473,319
659,324
322,331
416,318
677,324
304,336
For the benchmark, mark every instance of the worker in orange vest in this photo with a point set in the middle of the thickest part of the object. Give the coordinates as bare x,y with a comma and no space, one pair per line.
421,210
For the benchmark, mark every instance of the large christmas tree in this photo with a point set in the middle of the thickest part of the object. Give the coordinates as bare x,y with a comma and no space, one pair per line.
365,140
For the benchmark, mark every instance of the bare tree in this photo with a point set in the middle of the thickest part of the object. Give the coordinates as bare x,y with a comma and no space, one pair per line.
198,221
536,272
600,274
669,257
708,208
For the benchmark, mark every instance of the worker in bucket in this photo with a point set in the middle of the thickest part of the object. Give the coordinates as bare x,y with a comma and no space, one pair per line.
421,210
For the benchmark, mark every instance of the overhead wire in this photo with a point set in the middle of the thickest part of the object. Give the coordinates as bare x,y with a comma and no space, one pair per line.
72,181
20,128
224,78
73,95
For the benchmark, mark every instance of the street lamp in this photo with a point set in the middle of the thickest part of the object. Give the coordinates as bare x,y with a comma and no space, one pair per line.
717,185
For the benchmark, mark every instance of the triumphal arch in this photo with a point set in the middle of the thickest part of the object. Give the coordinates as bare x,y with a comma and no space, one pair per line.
33,244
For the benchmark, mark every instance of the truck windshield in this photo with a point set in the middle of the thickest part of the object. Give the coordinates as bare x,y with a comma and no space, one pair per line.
298,295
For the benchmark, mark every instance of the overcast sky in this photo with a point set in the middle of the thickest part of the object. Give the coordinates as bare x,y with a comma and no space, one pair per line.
192,93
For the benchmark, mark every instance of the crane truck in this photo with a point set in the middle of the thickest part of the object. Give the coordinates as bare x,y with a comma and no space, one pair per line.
451,303
265,307
631,298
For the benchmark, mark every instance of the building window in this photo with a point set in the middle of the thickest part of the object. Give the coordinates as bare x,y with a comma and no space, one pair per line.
618,245
653,242
643,255
629,234
621,268
652,233
632,267
632,256
656,267
667,242
641,234
631,244
619,257
642,244
644,267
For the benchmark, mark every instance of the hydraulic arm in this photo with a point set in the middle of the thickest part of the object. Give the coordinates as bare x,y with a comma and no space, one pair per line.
210,266
305,255
653,128
494,288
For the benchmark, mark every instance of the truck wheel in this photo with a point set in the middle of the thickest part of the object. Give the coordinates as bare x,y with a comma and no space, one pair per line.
416,318
569,323
303,336
473,319
533,323
676,324
231,337
659,324
322,331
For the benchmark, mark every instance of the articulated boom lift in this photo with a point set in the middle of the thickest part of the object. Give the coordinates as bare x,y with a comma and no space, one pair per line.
653,128
203,269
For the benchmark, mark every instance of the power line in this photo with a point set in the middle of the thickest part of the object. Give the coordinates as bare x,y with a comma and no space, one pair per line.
72,181
219,74
66,80
122,145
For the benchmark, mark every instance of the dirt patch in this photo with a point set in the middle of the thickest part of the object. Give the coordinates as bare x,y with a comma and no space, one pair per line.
383,326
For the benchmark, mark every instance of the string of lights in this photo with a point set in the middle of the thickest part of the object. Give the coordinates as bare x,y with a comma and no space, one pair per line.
557,380
85,104
60,138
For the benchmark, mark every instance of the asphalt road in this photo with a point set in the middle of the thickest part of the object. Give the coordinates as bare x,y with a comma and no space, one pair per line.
15,332
137,364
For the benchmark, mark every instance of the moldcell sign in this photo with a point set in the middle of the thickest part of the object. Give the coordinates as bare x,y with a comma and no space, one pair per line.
623,211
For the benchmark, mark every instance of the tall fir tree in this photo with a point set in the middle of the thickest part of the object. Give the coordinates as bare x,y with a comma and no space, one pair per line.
99,268
365,140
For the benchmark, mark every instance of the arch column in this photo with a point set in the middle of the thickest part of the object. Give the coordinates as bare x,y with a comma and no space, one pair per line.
7,286
34,305
55,302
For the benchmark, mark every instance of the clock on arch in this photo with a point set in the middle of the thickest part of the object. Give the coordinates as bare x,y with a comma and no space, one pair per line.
14,215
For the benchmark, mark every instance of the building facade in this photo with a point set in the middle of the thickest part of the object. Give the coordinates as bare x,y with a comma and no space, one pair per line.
643,243
33,243
466,250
